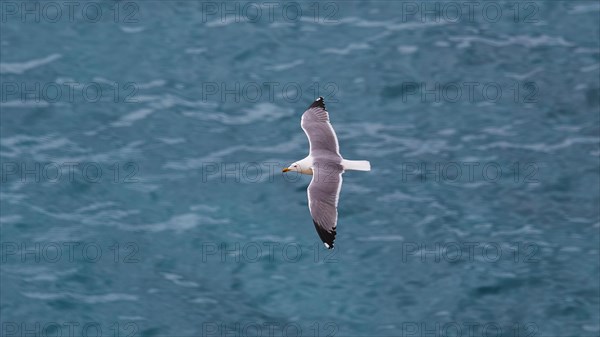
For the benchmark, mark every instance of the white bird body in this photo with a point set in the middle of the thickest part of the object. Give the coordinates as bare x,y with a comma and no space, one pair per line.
326,165
305,166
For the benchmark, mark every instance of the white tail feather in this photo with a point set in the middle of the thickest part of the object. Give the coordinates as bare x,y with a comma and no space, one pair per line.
356,165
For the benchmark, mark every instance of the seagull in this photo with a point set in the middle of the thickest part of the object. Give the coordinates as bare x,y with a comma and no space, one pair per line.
326,165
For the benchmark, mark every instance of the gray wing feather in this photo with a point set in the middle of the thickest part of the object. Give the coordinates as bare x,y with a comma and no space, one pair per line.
321,136
323,196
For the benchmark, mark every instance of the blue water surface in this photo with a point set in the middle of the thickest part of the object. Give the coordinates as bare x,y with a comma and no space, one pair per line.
142,149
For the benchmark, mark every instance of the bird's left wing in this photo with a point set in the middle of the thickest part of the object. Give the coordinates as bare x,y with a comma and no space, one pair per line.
323,196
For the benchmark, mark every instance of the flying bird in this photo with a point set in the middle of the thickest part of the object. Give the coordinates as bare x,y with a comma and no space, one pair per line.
326,165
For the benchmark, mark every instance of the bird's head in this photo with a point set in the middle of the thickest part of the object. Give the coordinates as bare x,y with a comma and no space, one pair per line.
299,166
295,167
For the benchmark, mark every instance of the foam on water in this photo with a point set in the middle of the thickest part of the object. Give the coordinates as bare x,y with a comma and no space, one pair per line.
90,299
21,67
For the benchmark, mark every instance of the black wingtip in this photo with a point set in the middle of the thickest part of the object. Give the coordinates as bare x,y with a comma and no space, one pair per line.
318,103
326,236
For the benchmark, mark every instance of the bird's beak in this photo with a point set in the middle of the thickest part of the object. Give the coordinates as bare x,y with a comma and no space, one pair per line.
285,170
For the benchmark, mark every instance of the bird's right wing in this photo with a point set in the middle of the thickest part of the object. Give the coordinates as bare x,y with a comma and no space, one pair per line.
323,196
318,129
